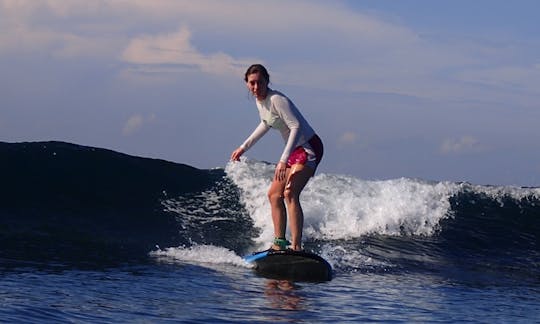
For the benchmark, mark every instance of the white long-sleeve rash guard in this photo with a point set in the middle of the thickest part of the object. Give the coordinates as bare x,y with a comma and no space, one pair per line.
277,111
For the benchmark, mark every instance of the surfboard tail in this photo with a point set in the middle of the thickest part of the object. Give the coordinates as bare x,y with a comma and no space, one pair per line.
291,265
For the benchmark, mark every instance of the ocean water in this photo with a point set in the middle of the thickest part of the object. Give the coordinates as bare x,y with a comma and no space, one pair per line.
90,236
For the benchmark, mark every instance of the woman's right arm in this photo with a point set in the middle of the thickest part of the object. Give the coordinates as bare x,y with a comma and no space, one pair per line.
259,132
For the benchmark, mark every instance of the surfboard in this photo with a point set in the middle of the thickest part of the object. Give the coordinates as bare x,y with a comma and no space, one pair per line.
290,265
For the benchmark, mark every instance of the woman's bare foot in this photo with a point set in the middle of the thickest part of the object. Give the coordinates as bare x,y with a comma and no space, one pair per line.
296,247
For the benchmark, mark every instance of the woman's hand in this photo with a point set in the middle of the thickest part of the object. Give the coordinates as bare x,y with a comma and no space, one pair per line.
281,171
235,156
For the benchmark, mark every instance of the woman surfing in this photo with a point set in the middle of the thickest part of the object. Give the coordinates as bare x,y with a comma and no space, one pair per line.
301,155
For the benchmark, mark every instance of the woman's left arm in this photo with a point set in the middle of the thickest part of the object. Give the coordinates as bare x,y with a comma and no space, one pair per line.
288,115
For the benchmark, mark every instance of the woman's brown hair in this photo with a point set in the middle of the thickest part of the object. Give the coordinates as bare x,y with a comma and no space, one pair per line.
257,68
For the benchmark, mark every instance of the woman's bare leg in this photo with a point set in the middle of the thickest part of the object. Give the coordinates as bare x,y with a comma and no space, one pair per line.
277,206
297,179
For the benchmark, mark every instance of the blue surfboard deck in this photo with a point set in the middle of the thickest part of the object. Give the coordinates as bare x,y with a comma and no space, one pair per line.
290,265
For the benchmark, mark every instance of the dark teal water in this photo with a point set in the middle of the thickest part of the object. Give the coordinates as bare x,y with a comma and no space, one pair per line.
91,236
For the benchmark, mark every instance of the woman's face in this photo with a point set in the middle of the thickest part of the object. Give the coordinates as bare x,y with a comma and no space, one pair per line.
257,85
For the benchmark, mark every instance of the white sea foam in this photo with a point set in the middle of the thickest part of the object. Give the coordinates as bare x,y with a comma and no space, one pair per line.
205,207
344,207
344,257
498,192
336,207
200,254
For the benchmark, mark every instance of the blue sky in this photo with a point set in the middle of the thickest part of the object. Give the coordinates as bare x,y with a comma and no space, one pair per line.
422,89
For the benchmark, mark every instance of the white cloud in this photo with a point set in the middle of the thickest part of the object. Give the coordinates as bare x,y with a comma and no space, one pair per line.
135,123
330,47
524,78
22,36
228,18
60,8
459,145
176,49
347,138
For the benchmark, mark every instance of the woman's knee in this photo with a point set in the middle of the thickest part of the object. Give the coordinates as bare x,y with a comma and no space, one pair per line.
296,184
291,195
274,196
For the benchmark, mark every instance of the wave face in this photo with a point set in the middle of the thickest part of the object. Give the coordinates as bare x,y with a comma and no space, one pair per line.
64,201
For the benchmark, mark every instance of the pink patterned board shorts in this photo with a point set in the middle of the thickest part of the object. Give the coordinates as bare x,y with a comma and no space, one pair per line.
309,154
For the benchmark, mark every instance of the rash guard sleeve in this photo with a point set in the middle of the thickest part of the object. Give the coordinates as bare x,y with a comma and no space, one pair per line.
259,132
285,111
